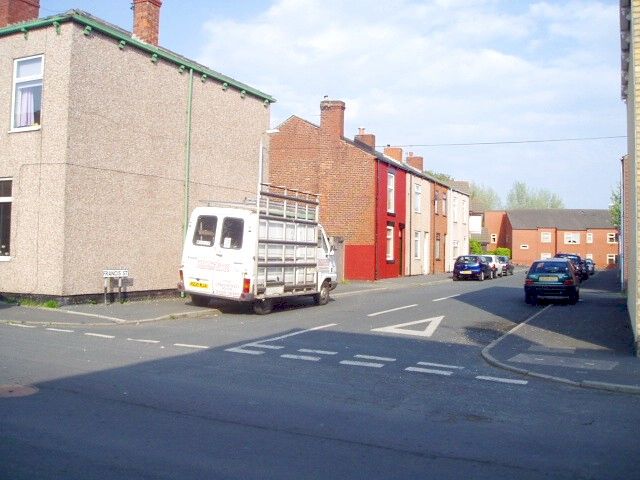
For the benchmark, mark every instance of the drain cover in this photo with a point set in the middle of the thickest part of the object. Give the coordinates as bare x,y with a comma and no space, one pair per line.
7,391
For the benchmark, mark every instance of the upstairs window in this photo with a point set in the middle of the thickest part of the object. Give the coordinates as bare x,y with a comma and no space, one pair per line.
27,93
436,201
417,198
612,237
589,237
571,238
444,204
545,237
391,193
5,217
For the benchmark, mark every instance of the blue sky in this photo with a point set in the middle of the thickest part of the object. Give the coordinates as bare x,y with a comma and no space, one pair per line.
424,73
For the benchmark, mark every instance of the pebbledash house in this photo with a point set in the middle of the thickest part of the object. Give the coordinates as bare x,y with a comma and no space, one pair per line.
107,142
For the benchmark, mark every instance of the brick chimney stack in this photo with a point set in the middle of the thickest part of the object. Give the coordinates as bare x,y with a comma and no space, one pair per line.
146,20
332,117
415,162
393,152
368,139
15,11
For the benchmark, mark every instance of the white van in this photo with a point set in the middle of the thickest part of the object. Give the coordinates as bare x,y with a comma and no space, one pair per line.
235,252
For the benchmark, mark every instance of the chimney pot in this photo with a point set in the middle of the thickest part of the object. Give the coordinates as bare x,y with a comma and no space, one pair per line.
15,11
146,20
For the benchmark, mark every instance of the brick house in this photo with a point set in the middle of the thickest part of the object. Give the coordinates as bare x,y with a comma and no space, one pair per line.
107,142
367,197
630,55
541,233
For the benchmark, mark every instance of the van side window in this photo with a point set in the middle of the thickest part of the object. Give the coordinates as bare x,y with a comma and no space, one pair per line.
205,231
232,231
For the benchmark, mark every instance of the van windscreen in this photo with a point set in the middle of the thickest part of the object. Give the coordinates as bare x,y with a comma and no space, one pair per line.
205,231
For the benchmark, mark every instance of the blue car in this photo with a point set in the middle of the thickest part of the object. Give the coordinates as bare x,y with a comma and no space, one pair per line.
471,266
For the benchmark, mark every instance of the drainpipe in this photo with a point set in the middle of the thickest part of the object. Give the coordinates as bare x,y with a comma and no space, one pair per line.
187,156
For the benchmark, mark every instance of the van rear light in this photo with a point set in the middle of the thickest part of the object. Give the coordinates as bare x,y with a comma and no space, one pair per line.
246,285
181,276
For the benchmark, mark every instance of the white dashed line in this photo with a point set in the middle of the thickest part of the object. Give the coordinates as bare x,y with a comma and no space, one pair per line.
187,345
392,310
446,298
308,358
362,364
503,380
317,352
60,330
428,370
371,357
22,326
260,345
242,350
99,335
141,340
428,364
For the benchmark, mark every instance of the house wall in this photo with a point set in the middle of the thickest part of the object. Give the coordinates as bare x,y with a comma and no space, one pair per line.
496,224
457,227
386,268
110,186
302,156
418,262
439,230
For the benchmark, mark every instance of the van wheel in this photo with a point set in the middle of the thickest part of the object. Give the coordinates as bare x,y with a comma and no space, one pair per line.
322,298
263,307
200,300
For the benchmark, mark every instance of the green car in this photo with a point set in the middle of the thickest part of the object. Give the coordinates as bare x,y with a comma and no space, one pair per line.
552,278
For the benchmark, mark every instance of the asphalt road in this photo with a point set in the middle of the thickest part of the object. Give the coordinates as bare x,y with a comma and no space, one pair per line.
376,385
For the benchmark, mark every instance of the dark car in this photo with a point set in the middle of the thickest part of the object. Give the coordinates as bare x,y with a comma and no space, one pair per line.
591,266
471,266
581,267
552,278
507,265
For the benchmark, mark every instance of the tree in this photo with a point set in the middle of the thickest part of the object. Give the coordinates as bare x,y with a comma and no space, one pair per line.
443,177
520,196
484,198
615,207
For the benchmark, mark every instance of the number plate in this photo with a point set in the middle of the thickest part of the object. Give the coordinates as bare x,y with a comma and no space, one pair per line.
466,272
548,279
196,284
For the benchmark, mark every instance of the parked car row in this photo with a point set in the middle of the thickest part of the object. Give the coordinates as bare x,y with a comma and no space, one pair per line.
481,266
557,278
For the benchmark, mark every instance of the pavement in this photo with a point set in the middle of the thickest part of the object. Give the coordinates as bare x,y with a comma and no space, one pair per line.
586,345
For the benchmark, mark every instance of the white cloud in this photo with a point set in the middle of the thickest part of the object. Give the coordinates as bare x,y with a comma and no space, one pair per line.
447,71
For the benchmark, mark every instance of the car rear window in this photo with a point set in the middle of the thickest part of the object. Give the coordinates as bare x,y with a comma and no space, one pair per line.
467,259
549,267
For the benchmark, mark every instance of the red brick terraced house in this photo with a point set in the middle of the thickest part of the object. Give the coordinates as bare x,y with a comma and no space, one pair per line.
363,193
534,234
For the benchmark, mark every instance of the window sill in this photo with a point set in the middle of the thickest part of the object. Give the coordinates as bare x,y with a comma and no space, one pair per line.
5,259
26,129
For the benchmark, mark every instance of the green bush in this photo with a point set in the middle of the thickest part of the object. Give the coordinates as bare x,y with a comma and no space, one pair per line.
475,247
503,251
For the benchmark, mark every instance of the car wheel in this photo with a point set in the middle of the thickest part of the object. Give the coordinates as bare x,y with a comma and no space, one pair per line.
263,307
573,298
530,298
455,279
481,276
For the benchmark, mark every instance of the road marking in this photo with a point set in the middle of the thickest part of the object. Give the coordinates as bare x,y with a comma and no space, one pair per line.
431,327
392,310
22,326
242,350
362,364
446,298
99,335
318,352
260,345
301,357
60,330
141,340
502,380
296,333
428,370
355,292
187,345
429,364
371,357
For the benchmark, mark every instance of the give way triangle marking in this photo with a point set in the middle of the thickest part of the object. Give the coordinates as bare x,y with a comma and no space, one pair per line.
432,324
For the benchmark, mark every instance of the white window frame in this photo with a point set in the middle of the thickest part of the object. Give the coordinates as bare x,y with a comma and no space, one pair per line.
465,213
545,237
417,244
611,258
589,256
524,246
494,238
572,238
545,255
390,243
16,85
454,206
444,205
6,258
435,203
391,192
589,237
611,237
417,198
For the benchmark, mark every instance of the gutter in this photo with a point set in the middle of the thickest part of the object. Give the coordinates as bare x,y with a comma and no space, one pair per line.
187,155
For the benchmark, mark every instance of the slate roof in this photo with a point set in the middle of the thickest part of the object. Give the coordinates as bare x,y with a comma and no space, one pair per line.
562,219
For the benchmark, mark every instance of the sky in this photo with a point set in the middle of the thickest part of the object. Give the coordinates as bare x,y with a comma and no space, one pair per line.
518,80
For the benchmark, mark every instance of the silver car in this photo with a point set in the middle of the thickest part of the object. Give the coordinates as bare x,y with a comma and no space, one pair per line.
494,263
